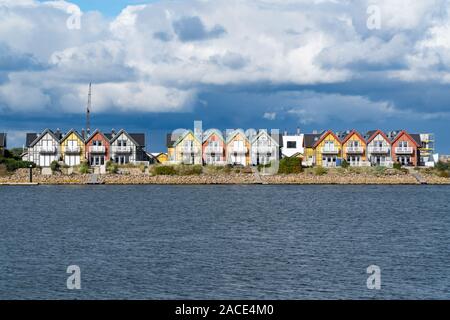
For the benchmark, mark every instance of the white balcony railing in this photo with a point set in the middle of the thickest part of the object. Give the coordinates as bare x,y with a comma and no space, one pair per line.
234,149
378,149
359,164
330,150
190,149
48,149
263,149
122,149
213,149
354,149
404,150
72,149
97,149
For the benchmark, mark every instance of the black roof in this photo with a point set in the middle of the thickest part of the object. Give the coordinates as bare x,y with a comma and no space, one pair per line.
311,139
139,138
3,140
30,138
416,138
108,136
369,134
170,139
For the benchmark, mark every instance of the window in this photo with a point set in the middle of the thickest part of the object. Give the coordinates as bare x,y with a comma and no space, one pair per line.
292,144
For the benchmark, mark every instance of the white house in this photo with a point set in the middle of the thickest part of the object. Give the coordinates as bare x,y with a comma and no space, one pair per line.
127,147
379,149
265,148
43,148
293,145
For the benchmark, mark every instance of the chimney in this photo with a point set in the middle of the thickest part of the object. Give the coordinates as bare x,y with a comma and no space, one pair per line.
315,132
83,134
285,132
298,131
113,132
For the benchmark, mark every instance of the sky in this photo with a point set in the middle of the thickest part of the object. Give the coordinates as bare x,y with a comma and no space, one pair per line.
159,65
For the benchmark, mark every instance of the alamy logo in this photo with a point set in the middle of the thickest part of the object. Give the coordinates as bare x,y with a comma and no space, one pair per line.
74,21
74,280
374,280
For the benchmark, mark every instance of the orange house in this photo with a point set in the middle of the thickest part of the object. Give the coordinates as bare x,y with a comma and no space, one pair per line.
97,149
354,149
405,150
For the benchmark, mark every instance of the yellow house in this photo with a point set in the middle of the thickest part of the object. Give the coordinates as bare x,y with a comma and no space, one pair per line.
238,148
309,141
72,148
161,157
187,149
328,149
354,149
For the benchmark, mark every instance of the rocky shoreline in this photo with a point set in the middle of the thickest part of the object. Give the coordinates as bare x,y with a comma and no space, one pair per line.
136,177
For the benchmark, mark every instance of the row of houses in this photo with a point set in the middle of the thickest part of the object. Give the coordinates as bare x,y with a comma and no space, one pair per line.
213,147
374,148
73,148
326,148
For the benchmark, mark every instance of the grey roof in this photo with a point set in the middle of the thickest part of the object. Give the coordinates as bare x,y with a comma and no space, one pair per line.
30,138
139,138
278,137
3,140
171,139
108,136
416,138
311,138
369,134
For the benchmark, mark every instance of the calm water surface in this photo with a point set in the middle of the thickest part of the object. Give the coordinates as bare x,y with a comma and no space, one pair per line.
224,242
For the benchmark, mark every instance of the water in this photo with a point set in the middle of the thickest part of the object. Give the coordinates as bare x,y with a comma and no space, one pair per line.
224,242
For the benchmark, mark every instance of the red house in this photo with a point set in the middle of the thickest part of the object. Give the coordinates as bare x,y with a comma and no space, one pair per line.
97,149
405,149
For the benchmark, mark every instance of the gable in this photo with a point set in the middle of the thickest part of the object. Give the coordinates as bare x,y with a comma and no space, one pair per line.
404,136
354,136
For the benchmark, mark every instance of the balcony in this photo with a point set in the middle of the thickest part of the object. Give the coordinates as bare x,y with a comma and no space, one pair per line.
330,151
213,150
263,149
189,149
355,150
97,149
240,150
47,150
122,149
380,150
404,150
72,149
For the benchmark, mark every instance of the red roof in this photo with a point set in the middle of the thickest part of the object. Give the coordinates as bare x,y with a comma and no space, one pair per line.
403,132
351,134
377,133
326,134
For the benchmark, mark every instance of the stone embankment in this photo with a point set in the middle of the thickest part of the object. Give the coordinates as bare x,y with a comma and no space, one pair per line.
137,177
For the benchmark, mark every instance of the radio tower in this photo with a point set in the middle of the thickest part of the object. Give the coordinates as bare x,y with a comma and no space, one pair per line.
88,111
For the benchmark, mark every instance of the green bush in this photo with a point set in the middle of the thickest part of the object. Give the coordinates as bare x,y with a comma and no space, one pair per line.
55,166
13,164
112,167
84,167
290,166
397,166
443,174
442,166
164,171
189,170
320,171
345,164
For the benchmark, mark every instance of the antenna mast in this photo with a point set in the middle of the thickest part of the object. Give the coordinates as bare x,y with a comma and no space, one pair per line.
88,111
